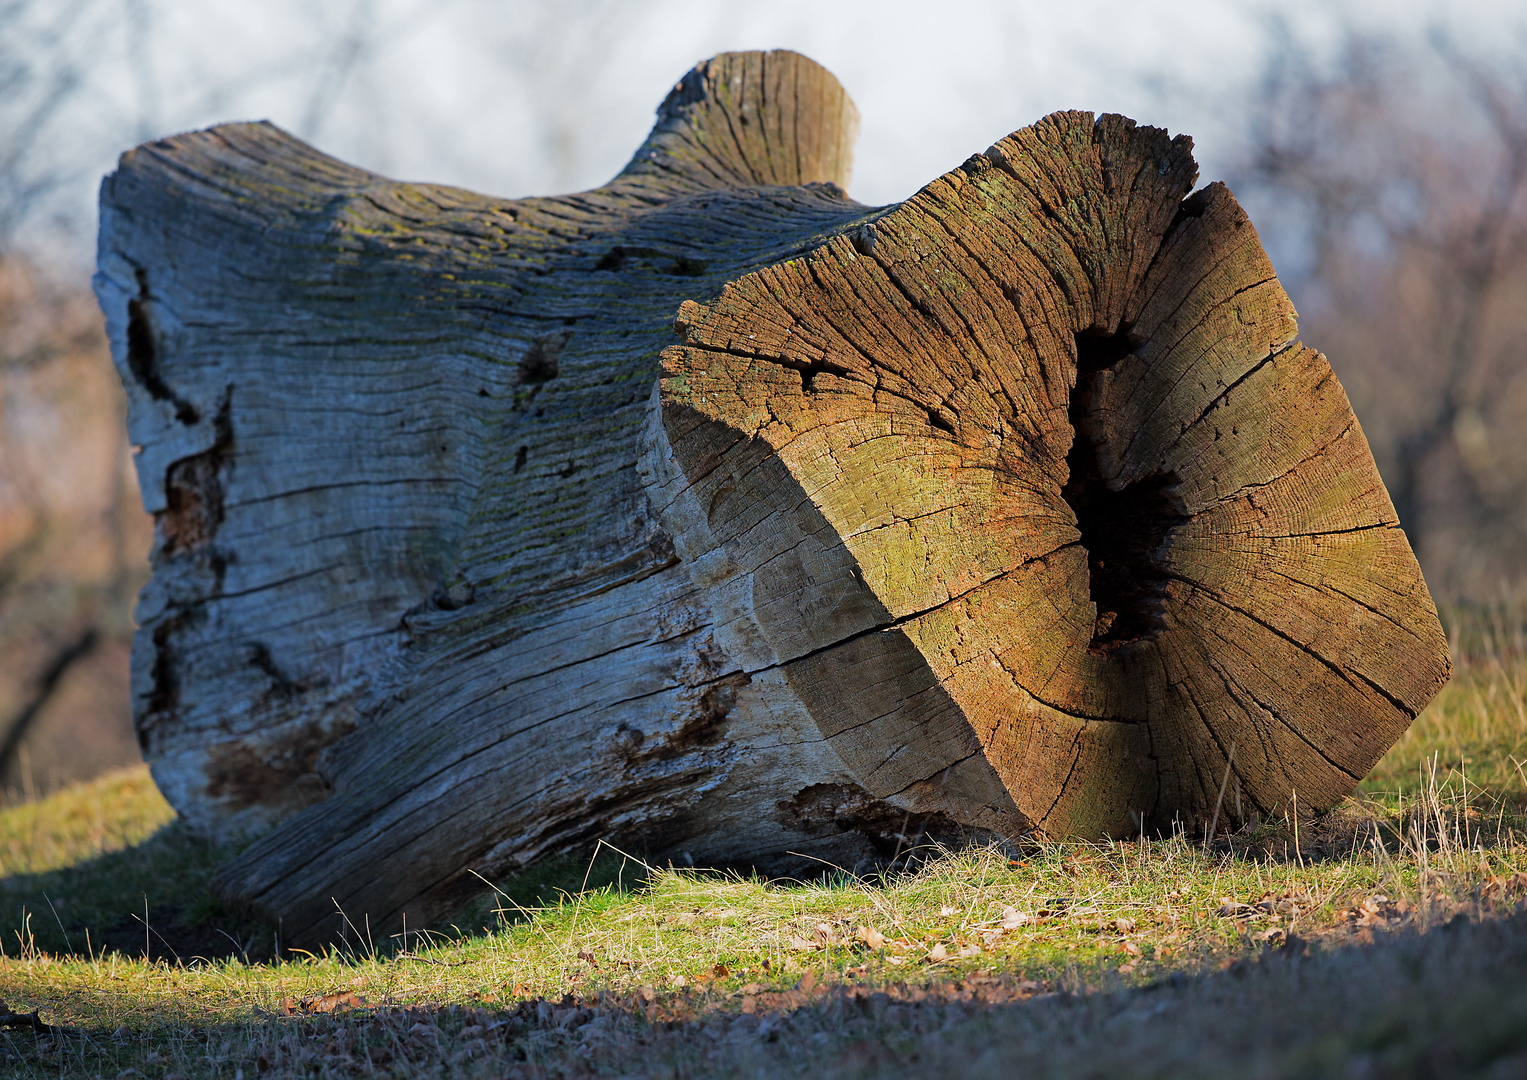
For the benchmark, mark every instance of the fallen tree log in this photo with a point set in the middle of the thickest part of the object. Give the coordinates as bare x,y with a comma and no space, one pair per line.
1012,508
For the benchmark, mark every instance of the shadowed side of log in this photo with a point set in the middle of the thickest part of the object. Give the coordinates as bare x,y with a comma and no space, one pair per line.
1056,419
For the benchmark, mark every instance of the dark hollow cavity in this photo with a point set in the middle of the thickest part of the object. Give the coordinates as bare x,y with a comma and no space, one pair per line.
1124,532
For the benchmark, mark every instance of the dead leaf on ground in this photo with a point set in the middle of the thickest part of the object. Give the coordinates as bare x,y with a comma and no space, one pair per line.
322,1003
871,937
1124,926
800,944
587,955
1012,918
938,953
1377,910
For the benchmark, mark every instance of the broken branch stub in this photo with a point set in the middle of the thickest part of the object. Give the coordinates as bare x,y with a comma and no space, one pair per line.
1009,508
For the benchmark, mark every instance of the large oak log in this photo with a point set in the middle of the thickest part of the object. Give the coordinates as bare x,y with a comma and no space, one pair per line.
1012,508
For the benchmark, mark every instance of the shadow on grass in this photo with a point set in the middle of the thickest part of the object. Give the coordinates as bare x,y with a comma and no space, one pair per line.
1447,1001
154,899
150,899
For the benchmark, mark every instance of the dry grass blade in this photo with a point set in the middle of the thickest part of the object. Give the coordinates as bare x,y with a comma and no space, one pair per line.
1219,799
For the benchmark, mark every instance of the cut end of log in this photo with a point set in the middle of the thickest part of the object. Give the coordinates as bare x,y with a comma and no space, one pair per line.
1059,447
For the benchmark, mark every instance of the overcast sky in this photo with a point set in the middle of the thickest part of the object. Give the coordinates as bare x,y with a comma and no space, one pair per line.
520,97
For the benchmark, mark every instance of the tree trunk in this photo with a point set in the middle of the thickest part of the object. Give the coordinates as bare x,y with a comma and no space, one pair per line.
1011,508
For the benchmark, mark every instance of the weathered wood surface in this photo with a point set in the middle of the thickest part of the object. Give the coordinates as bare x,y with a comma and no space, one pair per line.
1013,507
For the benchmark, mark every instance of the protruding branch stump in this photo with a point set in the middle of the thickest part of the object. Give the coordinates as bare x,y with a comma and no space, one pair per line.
1013,507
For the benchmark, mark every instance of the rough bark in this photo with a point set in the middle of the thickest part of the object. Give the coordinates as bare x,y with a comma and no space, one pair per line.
1011,508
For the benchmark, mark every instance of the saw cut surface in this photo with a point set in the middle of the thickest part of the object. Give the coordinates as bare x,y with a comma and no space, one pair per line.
1066,452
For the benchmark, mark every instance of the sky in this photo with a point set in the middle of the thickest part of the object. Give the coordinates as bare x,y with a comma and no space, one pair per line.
523,97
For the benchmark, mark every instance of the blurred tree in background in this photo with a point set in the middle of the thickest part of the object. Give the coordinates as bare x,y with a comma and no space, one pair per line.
73,538
1402,174
1388,178
72,534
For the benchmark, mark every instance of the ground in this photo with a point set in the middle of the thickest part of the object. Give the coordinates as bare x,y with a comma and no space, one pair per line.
1387,938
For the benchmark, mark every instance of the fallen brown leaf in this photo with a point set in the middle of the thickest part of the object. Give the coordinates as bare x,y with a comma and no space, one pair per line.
322,1003
871,937
1012,918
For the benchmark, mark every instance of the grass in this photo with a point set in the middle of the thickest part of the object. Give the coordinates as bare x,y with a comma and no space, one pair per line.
1475,732
1384,939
